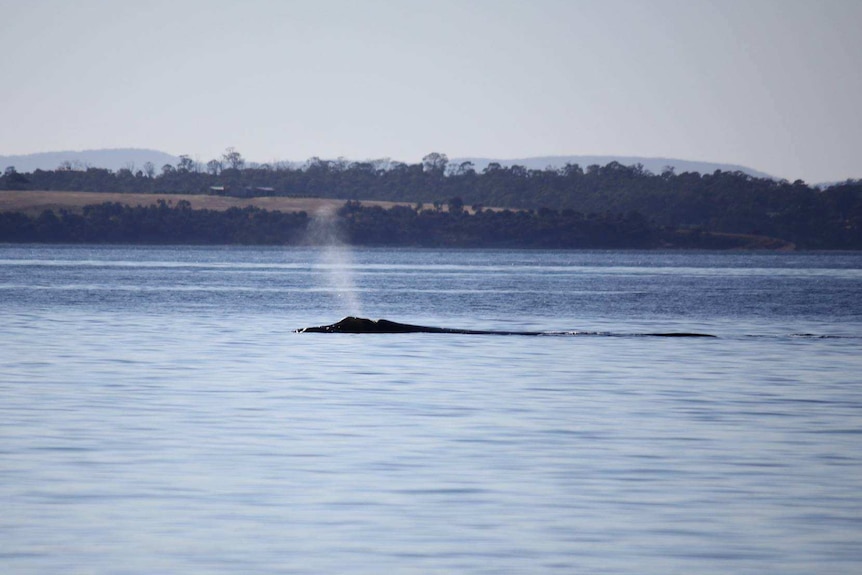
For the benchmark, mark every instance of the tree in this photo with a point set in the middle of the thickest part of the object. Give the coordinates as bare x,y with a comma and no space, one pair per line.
518,171
185,164
13,180
465,168
381,164
435,163
456,205
233,159
572,170
149,169
214,167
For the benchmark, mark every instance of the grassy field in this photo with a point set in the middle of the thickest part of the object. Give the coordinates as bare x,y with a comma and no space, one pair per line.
34,202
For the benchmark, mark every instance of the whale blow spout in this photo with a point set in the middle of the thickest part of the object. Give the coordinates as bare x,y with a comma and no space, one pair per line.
363,325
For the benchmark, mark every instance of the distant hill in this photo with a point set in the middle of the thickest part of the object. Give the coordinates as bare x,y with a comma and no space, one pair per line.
113,159
654,165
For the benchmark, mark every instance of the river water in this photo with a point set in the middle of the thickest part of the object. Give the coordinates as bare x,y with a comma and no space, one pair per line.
159,415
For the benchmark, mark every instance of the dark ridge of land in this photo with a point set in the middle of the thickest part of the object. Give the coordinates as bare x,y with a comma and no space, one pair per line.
357,224
690,209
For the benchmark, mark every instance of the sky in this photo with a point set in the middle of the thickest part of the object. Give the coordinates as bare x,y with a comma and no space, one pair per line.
774,85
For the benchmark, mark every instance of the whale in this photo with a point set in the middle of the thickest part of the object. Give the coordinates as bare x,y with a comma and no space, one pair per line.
352,324
358,325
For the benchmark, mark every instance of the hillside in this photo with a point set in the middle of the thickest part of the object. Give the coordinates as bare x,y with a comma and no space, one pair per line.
112,159
654,165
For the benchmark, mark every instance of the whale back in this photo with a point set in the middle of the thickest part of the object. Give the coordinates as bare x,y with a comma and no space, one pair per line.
352,324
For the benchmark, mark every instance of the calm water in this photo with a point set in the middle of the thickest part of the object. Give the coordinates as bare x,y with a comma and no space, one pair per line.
158,414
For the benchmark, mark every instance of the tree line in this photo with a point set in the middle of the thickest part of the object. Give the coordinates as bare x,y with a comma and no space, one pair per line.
721,202
355,224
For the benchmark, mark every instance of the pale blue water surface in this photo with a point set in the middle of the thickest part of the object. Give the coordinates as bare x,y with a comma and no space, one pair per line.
159,415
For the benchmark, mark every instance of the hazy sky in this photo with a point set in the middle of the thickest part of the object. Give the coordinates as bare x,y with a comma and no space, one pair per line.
772,84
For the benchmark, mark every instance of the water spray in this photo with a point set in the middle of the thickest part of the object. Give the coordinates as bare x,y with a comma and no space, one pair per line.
324,230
